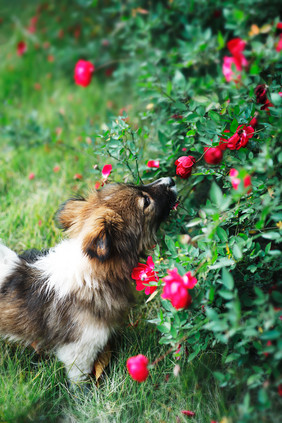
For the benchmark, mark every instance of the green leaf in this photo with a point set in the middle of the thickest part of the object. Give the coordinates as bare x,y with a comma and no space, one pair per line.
221,234
267,248
237,253
170,245
164,328
223,262
271,235
216,194
234,125
227,295
201,99
220,40
214,116
179,79
232,357
227,279
271,335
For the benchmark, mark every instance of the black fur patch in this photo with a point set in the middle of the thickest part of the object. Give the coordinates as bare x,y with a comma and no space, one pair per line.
31,255
32,309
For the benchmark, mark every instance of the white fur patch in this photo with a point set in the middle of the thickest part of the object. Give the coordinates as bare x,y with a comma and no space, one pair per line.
163,181
66,269
78,357
8,261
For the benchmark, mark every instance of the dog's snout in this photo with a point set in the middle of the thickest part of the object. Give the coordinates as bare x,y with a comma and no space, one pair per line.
171,183
168,181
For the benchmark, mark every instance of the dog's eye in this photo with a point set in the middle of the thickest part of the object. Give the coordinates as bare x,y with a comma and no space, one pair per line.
147,201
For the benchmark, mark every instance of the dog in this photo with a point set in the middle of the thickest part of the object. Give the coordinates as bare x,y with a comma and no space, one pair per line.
69,299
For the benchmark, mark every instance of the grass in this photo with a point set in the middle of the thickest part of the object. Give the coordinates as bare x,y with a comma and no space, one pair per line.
44,126
34,389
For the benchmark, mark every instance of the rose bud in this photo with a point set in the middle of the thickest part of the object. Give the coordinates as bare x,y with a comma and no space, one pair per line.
153,163
254,122
21,48
137,367
213,155
184,166
83,72
260,92
106,171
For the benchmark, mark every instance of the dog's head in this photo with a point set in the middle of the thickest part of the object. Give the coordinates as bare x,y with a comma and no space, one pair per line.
120,220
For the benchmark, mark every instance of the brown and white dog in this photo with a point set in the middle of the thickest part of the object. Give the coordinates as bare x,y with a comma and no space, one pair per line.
70,298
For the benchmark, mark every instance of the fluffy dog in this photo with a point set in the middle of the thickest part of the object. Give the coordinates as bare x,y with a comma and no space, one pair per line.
69,299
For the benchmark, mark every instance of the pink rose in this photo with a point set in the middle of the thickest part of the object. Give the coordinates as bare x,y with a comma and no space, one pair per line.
83,72
137,367
176,288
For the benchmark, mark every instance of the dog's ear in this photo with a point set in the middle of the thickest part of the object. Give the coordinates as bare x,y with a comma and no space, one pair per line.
68,214
103,234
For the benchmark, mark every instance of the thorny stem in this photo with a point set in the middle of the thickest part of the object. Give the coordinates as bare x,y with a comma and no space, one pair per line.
167,352
136,158
200,265
111,62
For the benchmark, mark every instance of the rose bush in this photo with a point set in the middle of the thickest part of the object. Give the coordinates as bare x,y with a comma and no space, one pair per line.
226,229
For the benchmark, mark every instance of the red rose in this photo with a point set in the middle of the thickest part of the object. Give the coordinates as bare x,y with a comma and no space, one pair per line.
144,273
240,138
137,367
236,46
279,44
213,155
184,166
83,72
267,105
223,142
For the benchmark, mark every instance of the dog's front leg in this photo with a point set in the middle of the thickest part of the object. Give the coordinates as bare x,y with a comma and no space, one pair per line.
78,357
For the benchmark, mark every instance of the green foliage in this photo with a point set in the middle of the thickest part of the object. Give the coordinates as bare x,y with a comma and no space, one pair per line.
175,55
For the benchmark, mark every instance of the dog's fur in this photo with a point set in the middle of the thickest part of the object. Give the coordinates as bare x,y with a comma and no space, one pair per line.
70,298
